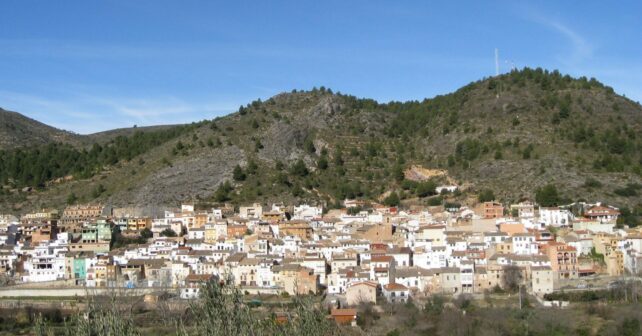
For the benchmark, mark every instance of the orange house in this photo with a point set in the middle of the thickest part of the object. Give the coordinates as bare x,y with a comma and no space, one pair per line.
236,230
296,228
44,232
490,210
512,228
563,259
344,316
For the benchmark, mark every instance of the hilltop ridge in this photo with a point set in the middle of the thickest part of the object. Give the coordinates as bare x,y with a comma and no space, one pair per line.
512,134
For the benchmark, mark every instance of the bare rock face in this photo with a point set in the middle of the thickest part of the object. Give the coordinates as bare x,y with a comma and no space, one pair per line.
197,175
280,142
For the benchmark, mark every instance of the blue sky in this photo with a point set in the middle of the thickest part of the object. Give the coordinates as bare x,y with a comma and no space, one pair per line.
88,66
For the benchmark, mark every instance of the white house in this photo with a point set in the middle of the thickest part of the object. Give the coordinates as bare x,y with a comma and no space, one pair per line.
307,212
524,243
555,216
395,293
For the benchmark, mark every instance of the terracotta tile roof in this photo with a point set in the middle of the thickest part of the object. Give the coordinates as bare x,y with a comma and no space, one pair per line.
343,312
395,287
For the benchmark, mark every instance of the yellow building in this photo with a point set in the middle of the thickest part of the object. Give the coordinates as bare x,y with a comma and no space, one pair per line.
139,224
615,263
76,214
299,228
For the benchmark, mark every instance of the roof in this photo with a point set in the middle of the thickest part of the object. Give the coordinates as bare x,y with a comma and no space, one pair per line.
601,211
381,259
406,272
236,257
541,268
364,283
199,277
343,312
448,270
143,262
249,262
395,287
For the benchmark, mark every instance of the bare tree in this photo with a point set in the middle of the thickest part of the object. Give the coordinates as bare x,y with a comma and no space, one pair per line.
512,278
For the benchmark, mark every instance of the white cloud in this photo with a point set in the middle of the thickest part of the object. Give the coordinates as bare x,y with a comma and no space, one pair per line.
581,49
83,113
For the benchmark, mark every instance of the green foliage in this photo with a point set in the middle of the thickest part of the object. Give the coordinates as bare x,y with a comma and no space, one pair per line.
592,183
258,145
104,320
468,149
451,161
630,217
434,305
252,167
221,311
426,188
299,169
548,196
146,233
278,165
354,210
631,190
338,157
35,166
392,199
630,327
72,199
397,173
223,193
322,163
238,174
486,195
526,154
394,332
619,292
435,201
168,233
99,190
308,145
597,256
118,240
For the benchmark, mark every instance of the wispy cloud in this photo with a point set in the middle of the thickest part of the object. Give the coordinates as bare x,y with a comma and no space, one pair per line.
580,48
84,113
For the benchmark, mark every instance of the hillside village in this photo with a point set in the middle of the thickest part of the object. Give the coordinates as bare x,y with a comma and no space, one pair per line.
365,252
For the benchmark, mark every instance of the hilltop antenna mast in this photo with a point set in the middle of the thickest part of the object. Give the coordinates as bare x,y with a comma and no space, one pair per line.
496,62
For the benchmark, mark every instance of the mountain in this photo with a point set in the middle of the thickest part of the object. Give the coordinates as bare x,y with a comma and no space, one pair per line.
16,130
510,134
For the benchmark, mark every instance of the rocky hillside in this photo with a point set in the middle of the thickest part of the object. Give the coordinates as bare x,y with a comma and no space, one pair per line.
16,130
510,134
